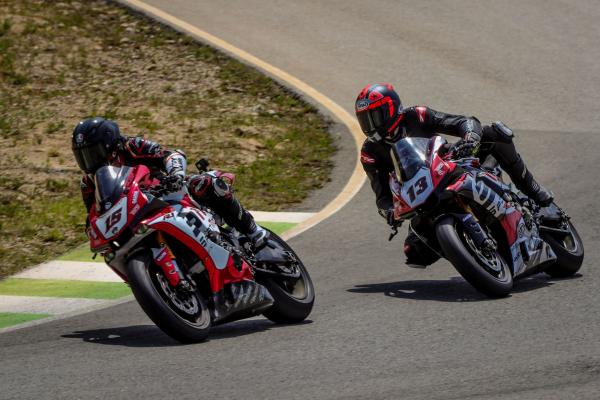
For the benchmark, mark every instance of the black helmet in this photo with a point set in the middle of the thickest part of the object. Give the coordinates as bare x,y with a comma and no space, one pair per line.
378,109
94,140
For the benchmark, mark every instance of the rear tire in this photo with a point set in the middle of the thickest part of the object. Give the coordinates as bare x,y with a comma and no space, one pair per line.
291,305
569,253
145,280
457,251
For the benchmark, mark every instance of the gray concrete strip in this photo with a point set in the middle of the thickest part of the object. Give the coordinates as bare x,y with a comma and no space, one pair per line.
71,270
47,305
83,309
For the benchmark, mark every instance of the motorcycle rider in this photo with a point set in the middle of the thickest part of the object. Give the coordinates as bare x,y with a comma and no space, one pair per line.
97,142
384,121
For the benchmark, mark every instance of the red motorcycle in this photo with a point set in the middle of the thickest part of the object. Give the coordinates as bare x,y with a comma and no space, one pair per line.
186,269
490,232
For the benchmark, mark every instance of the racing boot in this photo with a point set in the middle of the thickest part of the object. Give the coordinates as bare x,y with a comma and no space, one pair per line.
258,235
524,181
243,221
505,152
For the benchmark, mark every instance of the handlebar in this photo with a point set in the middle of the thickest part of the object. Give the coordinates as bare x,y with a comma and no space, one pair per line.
167,184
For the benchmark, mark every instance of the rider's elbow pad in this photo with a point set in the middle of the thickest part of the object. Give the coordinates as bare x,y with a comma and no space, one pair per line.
176,164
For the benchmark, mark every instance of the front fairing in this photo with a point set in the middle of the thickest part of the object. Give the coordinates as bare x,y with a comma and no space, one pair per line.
119,201
418,169
409,156
110,182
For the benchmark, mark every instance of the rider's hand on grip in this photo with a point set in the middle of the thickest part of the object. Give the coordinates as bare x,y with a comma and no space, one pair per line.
463,148
391,220
173,183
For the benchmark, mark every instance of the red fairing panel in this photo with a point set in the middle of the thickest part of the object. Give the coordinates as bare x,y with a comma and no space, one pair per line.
439,168
510,223
217,277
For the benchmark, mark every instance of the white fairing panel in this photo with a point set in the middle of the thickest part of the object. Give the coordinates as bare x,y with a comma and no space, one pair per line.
196,224
417,190
113,220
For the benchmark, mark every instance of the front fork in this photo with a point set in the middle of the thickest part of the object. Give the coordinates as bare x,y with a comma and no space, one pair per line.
473,228
164,258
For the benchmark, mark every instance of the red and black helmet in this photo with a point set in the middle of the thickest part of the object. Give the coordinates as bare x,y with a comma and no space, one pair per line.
378,109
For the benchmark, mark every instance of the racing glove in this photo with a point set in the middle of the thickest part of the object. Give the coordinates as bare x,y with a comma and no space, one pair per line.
173,183
465,147
389,217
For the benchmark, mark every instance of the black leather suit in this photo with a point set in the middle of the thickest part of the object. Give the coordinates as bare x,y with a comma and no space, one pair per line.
422,121
205,188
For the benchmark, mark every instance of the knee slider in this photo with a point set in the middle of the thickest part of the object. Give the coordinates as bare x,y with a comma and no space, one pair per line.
198,184
222,189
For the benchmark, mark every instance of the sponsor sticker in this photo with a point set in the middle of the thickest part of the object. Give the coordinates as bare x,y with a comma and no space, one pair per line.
362,105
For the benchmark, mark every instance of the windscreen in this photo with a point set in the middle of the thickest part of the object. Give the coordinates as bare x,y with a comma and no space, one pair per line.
110,182
410,155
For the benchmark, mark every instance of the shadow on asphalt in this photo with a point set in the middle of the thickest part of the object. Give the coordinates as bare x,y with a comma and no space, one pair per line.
152,336
456,289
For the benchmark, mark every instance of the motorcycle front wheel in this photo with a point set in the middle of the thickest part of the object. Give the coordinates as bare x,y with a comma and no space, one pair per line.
486,272
183,315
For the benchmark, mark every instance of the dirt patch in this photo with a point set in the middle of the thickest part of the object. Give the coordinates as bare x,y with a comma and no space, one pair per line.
63,61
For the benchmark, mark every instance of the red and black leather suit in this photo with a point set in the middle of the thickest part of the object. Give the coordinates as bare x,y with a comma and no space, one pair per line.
423,121
209,189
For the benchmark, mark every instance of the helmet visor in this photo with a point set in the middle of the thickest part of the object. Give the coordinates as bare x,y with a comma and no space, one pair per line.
91,156
371,120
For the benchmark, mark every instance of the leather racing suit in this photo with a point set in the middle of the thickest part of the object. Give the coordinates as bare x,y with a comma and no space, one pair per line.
207,188
420,121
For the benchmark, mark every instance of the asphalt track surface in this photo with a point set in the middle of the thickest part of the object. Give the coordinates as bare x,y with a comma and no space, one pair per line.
380,329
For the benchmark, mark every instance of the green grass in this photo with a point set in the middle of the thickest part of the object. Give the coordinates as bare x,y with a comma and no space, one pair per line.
9,319
113,62
278,227
83,253
60,288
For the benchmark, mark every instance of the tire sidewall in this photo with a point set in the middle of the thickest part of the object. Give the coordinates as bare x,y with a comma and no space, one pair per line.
456,252
285,308
567,263
154,305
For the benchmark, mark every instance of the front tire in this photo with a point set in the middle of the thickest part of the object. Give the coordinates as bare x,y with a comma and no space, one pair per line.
183,316
293,300
492,276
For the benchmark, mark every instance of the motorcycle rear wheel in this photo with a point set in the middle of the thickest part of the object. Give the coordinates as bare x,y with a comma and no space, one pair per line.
473,266
183,316
569,253
293,300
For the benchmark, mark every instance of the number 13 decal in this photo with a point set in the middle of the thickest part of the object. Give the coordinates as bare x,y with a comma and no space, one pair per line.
417,188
